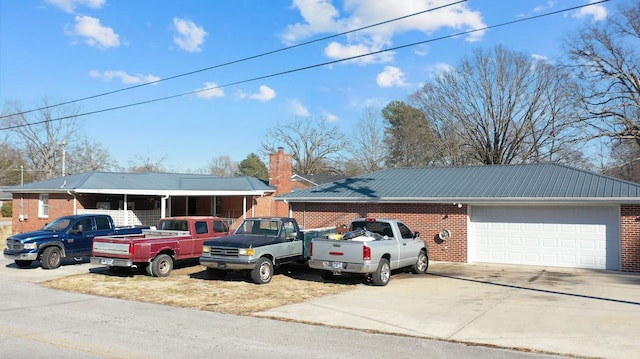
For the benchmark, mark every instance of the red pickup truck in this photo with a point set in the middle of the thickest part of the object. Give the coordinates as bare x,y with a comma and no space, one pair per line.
176,238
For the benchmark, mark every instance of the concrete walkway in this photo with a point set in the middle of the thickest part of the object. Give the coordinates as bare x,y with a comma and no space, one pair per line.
587,313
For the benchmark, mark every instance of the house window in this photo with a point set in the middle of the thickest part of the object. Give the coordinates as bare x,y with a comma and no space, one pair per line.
43,206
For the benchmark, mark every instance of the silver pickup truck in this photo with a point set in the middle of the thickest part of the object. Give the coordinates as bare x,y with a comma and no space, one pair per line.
373,247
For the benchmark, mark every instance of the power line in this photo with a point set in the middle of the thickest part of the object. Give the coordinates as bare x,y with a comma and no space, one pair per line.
234,61
310,66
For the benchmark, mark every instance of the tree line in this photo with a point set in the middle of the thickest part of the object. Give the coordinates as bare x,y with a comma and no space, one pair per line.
496,106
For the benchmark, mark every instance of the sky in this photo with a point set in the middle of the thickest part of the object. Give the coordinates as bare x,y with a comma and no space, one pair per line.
65,50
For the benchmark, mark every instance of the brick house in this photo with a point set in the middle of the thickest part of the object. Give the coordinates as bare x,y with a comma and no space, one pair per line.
532,214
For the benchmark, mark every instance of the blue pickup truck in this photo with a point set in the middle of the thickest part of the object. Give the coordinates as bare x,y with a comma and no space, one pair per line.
66,237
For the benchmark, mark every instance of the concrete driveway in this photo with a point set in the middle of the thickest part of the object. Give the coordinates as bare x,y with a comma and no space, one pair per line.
590,313
577,312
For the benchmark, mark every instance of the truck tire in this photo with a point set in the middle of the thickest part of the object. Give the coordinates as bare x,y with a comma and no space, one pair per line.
213,273
382,274
161,266
422,263
23,263
51,258
263,271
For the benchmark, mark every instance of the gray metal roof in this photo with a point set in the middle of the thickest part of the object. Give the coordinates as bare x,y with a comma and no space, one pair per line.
535,183
147,183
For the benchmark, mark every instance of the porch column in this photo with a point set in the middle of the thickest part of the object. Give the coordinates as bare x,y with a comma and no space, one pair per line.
244,207
163,206
126,215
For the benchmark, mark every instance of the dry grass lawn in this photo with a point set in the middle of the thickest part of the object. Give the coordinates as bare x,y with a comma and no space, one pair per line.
188,287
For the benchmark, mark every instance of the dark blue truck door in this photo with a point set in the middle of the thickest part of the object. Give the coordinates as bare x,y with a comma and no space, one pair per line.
80,238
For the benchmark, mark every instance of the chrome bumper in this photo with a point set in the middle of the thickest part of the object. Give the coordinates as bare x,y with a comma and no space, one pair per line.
111,262
233,263
21,256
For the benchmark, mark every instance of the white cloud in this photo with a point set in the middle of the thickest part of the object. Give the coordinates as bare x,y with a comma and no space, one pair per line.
329,116
338,51
390,77
70,5
95,33
437,69
298,108
190,36
548,5
598,12
123,76
210,90
266,94
320,16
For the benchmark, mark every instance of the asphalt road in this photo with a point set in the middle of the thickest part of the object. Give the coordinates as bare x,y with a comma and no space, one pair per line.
36,322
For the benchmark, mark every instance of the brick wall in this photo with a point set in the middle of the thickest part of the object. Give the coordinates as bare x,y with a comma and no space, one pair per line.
59,205
630,238
428,219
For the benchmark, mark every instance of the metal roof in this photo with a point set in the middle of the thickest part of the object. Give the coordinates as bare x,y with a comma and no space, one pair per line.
152,183
535,183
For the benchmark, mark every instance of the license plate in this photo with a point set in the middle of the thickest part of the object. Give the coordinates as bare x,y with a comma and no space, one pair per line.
107,261
222,266
336,265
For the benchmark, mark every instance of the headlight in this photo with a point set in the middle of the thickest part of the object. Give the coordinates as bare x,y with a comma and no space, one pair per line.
206,249
246,251
31,246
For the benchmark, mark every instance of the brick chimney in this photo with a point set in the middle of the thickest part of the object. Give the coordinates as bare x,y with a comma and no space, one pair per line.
280,172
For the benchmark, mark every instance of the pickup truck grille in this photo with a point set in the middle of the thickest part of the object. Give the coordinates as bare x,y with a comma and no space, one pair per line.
14,244
224,252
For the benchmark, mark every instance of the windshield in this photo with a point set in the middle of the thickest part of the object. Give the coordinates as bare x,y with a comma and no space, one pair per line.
262,227
58,225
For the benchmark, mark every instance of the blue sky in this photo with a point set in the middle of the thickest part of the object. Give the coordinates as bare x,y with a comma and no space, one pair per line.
64,50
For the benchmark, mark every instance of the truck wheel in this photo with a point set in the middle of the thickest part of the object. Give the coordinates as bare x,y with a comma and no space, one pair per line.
213,273
161,266
23,263
51,258
422,263
382,275
263,271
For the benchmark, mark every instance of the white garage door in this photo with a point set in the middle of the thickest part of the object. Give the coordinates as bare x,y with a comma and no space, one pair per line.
582,237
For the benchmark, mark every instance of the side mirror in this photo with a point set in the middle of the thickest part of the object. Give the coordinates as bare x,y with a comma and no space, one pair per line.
416,234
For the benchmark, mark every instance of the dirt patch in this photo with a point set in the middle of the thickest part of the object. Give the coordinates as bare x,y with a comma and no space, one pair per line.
188,287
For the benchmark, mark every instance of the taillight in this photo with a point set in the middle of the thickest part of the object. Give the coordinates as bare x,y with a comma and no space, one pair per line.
131,248
366,253
310,248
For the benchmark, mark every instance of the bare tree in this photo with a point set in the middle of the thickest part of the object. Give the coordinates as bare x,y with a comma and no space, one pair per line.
605,57
89,156
316,148
369,150
11,165
42,136
223,166
143,164
503,107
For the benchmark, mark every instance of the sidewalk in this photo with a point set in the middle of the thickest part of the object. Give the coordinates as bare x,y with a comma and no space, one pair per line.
581,312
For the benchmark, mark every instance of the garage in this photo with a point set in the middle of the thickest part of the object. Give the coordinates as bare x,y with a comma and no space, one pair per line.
566,236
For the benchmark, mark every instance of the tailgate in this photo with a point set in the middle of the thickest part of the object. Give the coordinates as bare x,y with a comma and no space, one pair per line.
336,250
111,245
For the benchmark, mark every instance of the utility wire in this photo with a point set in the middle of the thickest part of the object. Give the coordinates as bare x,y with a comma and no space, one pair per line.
311,66
235,61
